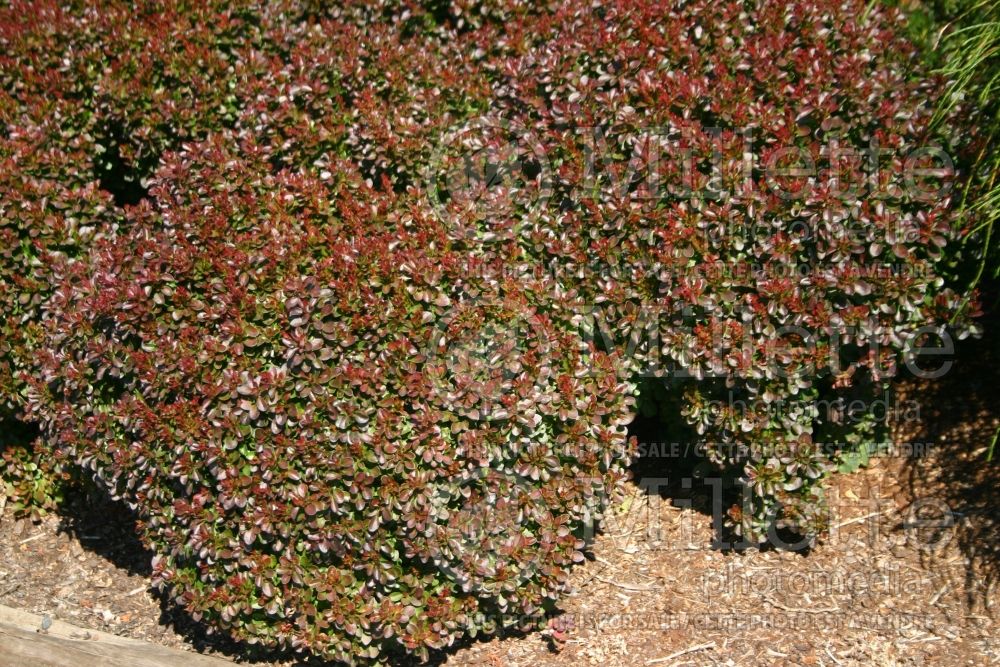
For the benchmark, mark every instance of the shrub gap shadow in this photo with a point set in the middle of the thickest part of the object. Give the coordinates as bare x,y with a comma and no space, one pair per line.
960,417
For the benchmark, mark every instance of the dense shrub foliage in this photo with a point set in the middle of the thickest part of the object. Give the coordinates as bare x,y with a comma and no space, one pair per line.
351,303
338,437
734,212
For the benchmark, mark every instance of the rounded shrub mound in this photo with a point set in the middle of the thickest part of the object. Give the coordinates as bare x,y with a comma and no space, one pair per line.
297,384
753,204
93,94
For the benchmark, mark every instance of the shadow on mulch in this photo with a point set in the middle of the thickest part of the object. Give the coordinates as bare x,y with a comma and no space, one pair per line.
107,528
671,465
959,419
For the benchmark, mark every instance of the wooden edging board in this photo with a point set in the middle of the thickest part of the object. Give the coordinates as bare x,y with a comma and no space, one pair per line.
23,643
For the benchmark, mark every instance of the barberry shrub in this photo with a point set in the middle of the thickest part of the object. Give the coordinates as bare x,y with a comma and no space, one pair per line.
360,345
756,210
93,94
336,436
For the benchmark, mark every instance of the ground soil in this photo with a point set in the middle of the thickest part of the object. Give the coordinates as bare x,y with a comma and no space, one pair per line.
906,576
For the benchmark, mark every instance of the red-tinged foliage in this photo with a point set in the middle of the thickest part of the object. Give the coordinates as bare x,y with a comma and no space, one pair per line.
669,134
350,302
252,368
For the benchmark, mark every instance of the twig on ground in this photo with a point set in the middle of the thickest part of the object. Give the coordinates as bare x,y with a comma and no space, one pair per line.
919,640
604,561
627,587
801,610
677,654
937,596
859,519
